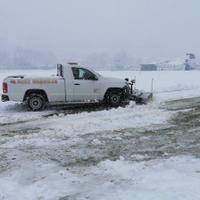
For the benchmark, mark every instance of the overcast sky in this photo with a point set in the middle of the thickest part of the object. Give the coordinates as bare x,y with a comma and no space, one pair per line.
143,28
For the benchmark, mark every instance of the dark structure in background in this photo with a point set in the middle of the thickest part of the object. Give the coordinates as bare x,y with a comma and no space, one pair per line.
191,56
149,67
187,65
189,61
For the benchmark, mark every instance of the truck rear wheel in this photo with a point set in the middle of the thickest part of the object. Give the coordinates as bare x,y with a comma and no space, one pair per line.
114,99
36,102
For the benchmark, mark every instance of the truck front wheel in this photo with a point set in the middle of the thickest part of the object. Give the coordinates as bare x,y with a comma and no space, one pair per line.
114,99
36,102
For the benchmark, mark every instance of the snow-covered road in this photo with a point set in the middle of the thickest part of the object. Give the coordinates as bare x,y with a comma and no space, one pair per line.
136,152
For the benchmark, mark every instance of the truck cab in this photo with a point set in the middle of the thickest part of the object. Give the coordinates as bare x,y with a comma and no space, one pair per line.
85,85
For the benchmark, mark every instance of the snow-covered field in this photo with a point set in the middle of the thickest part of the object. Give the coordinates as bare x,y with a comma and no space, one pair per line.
105,154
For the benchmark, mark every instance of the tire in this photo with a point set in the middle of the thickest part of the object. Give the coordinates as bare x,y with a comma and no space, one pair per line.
114,99
36,102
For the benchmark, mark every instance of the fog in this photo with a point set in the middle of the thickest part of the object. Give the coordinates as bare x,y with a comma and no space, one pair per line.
147,30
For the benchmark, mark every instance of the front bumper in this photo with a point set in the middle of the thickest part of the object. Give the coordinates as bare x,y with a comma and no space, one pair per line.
4,98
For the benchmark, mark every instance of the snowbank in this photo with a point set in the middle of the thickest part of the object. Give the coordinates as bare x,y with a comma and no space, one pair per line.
115,119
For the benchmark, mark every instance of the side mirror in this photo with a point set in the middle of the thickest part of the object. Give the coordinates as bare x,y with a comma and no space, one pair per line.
91,77
94,78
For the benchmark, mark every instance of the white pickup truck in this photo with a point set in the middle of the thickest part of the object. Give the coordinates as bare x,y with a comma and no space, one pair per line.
73,84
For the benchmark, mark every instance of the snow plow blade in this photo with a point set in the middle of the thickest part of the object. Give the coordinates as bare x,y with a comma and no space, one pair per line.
141,97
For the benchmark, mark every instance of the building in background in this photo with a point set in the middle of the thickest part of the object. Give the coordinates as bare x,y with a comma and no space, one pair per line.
149,67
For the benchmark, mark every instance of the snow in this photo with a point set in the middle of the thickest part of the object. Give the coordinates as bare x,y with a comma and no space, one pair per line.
27,173
175,178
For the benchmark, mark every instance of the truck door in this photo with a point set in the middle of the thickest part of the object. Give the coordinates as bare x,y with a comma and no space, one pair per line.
85,85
